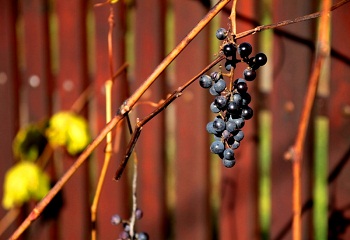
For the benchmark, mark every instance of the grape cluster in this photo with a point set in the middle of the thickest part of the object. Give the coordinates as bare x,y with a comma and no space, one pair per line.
231,103
125,234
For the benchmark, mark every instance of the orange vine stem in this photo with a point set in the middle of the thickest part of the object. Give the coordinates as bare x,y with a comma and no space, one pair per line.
298,148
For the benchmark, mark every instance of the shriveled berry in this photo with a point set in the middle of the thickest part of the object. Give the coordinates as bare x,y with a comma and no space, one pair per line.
138,213
116,219
216,76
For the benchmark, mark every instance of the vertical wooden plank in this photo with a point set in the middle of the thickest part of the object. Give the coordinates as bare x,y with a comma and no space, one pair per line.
238,207
71,81
339,122
9,91
37,81
291,66
192,209
115,195
37,77
149,51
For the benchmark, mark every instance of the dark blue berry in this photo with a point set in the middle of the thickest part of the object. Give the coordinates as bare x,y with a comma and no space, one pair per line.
260,59
229,49
220,102
228,163
241,87
244,49
220,85
229,154
238,136
219,124
249,74
221,33
214,108
217,147
205,81
247,112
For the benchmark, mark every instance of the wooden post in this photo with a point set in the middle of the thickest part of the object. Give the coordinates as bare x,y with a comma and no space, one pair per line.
9,91
72,79
339,120
149,52
291,67
192,181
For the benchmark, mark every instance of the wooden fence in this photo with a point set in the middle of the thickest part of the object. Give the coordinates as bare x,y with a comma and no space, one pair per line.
51,51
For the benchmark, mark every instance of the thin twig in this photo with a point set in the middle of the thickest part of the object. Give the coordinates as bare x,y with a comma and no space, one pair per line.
134,198
233,19
288,22
163,105
109,148
298,148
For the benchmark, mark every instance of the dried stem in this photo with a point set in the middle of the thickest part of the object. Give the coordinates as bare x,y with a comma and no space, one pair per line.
134,198
298,148
109,148
137,131
233,19
288,22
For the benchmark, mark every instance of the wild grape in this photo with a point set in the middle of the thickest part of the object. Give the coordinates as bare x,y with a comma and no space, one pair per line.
231,101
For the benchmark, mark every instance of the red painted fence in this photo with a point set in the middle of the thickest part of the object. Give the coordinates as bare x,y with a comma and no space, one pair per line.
51,51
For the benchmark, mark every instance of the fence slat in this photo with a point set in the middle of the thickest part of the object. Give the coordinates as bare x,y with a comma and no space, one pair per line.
37,78
9,90
339,122
149,52
192,179
71,81
291,66
238,208
38,82
114,197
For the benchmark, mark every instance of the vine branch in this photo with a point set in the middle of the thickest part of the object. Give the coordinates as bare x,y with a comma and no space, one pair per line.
288,22
163,105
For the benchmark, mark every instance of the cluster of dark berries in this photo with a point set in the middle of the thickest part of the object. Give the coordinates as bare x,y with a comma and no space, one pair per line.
231,102
125,234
